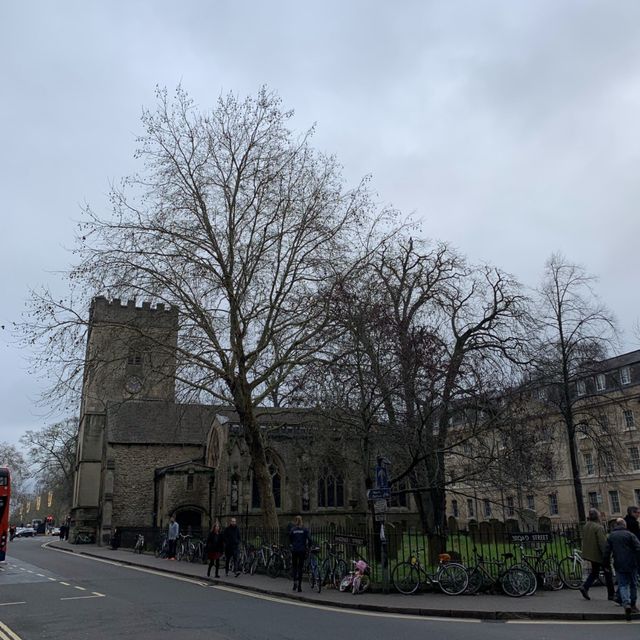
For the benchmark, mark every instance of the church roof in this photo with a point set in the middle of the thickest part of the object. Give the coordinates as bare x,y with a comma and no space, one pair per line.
152,422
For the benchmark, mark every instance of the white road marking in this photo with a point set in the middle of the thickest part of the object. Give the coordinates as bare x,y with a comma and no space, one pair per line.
82,598
80,588
8,604
97,593
52,579
40,574
7,633
115,563
66,584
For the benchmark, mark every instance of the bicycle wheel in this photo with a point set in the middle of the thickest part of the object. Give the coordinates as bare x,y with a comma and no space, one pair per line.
571,572
406,578
339,572
516,582
453,578
318,580
254,564
475,582
274,566
346,582
552,579
364,584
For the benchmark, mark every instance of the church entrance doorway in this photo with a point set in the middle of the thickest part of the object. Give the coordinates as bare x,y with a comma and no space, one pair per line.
190,520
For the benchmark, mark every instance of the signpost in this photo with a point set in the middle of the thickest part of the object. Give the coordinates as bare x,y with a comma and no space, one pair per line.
379,494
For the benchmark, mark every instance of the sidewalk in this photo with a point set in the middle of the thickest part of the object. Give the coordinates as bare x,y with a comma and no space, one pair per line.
544,605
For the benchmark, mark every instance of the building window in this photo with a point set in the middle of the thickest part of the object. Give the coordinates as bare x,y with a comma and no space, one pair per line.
609,465
276,485
588,464
629,422
614,501
531,502
582,429
134,358
625,375
190,482
600,382
454,509
636,495
604,422
634,458
580,387
487,508
330,488
399,493
510,507
470,510
553,504
593,500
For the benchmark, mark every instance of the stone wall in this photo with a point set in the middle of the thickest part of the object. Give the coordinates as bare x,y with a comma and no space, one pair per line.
133,483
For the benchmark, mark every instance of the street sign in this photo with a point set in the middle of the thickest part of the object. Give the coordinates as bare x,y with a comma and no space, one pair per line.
530,536
380,506
356,541
378,494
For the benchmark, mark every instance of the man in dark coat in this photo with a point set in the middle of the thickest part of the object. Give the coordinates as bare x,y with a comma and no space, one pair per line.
625,548
632,521
231,537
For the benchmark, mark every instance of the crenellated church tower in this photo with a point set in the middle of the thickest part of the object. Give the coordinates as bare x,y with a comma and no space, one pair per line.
130,356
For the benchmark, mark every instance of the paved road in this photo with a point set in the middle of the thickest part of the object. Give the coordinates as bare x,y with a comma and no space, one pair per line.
51,594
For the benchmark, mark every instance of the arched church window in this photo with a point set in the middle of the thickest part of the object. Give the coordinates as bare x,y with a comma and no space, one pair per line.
276,485
330,488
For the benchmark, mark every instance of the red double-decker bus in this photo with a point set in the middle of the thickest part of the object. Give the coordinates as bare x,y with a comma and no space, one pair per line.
5,495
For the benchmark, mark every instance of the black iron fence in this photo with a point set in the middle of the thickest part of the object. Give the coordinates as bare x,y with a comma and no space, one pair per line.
493,540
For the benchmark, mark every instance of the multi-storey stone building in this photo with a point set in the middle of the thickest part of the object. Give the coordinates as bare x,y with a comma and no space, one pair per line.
607,417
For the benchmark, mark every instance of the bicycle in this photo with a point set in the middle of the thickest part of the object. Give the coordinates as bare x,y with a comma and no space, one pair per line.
313,568
333,568
358,580
514,581
279,562
139,546
84,537
162,550
545,570
409,575
196,551
260,560
572,570
184,547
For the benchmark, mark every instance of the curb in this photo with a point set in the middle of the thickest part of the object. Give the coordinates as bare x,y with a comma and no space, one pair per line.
462,614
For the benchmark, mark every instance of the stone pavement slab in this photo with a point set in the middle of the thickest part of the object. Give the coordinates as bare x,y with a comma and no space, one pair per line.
566,604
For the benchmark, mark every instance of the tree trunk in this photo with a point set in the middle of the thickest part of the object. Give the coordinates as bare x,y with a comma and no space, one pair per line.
253,438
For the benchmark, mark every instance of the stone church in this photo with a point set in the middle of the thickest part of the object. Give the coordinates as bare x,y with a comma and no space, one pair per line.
142,456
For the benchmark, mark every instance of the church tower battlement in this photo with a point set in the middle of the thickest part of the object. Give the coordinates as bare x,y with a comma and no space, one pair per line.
131,353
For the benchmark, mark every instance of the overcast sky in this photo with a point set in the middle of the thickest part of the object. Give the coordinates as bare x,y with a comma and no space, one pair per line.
511,129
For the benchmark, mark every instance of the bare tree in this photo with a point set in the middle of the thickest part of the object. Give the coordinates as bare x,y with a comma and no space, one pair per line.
577,331
240,224
51,452
436,332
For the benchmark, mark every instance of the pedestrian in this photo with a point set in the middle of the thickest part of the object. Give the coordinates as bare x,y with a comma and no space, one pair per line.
625,548
62,528
633,513
116,539
594,542
231,537
300,542
172,537
215,548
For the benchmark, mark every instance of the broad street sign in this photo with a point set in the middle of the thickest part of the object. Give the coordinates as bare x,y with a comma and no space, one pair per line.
356,541
530,536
